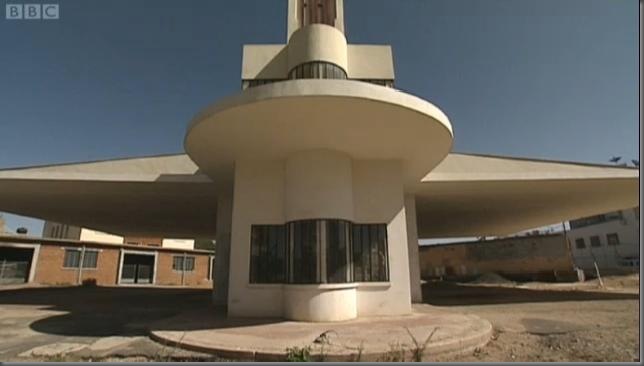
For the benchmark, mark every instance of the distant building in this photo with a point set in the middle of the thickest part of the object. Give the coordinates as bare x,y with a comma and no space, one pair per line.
532,257
62,231
611,240
71,255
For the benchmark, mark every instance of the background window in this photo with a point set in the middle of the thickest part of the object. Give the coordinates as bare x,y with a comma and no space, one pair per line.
181,263
72,258
612,239
595,241
580,243
90,259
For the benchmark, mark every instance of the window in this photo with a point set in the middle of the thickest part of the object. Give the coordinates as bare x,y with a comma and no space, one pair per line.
594,241
90,259
580,243
304,249
267,254
337,251
382,82
318,251
73,256
317,70
612,239
183,263
370,259
257,82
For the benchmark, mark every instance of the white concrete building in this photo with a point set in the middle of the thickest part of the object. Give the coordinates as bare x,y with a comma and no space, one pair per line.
317,179
611,240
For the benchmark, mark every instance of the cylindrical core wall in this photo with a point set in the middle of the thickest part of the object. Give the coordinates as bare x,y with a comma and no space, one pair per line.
317,42
318,184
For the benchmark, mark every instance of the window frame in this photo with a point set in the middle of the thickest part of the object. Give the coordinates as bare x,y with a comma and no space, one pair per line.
318,258
271,249
81,254
579,241
183,260
610,236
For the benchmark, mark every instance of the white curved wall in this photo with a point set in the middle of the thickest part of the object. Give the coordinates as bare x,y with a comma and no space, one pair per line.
317,42
318,184
320,303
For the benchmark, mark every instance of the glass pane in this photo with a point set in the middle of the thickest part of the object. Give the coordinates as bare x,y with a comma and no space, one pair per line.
72,258
190,263
177,263
356,244
90,258
336,251
305,253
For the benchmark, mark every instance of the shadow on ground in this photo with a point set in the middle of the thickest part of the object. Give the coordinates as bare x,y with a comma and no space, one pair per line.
455,294
110,311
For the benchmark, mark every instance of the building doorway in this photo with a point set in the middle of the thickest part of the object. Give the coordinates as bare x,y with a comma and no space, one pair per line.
15,265
138,268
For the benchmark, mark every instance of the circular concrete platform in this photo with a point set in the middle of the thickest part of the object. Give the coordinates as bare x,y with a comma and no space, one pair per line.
363,339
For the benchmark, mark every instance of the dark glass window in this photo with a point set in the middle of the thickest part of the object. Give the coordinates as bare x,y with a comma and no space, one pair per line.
319,251
317,70
370,258
595,241
382,82
267,254
337,251
304,249
257,82
580,243
73,257
612,239
90,259
183,263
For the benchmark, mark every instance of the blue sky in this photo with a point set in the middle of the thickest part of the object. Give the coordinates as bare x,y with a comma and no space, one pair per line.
554,79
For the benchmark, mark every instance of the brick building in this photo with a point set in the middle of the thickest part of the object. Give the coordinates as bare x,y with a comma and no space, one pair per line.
532,257
54,261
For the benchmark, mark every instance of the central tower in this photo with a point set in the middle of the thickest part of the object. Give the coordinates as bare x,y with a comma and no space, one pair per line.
313,162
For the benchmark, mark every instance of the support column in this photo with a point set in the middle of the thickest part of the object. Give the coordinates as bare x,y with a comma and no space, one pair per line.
222,250
412,243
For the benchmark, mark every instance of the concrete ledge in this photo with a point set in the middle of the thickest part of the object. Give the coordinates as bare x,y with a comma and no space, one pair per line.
364,339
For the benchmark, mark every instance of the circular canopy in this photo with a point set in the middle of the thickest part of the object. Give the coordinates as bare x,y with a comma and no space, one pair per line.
363,120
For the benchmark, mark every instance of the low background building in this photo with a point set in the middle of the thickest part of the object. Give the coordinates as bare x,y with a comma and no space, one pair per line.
534,257
65,261
610,240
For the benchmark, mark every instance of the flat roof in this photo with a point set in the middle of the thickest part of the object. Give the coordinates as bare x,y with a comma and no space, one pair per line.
19,239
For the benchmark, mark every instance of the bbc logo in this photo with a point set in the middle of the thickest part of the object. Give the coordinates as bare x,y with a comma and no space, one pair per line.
32,11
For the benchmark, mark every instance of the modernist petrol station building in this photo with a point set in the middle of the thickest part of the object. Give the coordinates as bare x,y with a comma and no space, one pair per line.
317,180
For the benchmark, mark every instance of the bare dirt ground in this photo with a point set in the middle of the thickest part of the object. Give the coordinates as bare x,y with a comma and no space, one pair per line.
532,321
540,322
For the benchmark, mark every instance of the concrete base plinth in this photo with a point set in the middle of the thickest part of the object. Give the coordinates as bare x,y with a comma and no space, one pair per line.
364,339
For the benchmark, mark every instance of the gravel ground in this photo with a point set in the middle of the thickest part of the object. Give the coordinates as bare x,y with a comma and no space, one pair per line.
550,322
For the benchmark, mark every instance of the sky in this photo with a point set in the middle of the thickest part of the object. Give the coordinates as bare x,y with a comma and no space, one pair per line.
554,79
